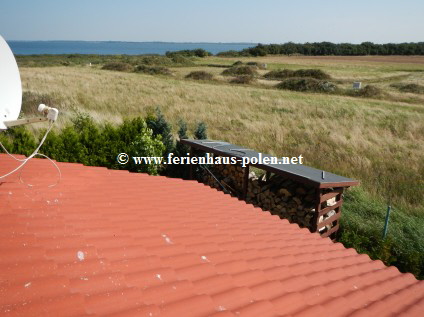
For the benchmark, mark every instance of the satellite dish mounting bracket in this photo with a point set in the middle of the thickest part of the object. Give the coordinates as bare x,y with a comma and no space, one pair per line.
50,114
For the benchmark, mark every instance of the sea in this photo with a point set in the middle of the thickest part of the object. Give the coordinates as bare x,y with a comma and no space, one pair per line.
113,48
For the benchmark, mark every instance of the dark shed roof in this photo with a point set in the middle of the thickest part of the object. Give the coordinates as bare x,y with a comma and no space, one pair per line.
299,172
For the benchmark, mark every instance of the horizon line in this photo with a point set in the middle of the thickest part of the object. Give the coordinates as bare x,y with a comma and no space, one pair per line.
115,41
208,42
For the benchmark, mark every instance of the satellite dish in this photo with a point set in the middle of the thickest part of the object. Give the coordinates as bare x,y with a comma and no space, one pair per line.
11,102
11,93
10,86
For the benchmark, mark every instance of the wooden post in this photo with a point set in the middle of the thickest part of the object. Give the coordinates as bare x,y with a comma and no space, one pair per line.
190,174
245,182
334,220
317,210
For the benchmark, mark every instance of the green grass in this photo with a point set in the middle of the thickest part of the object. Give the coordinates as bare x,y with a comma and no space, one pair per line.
362,227
100,60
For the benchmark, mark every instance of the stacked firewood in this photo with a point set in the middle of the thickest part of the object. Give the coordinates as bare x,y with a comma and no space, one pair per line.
281,196
230,177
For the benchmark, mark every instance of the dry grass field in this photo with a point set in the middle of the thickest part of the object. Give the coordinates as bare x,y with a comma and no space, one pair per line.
379,140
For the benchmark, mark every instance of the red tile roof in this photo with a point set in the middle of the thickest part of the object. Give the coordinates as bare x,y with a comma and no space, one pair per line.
113,243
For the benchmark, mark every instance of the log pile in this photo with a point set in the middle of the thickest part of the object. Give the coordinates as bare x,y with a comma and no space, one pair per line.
230,176
283,197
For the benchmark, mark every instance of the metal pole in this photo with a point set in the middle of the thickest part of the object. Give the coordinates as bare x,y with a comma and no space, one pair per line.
386,224
190,168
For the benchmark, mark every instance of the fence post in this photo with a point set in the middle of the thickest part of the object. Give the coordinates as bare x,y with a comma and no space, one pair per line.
386,223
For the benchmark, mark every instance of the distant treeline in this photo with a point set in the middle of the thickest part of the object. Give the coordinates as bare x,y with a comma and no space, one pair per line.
327,48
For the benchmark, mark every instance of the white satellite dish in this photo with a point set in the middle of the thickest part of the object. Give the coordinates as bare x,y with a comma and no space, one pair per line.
10,85
11,92
11,102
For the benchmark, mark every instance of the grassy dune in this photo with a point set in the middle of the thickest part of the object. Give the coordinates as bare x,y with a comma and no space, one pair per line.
378,141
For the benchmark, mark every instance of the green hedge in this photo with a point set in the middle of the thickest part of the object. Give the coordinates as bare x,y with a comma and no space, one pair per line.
84,141
92,144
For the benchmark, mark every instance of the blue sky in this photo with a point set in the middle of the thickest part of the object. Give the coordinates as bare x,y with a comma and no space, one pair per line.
265,21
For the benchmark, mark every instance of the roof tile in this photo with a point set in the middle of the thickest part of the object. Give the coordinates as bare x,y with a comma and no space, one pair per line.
259,308
113,243
114,301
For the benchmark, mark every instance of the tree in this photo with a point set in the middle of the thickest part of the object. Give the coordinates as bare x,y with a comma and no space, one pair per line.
182,149
146,145
200,132
160,126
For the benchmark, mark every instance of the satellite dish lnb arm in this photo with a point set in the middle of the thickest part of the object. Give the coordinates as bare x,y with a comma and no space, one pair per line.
14,123
50,114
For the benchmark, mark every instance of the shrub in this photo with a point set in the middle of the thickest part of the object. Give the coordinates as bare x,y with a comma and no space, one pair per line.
242,79
174,60
238,63
200,132
240,70
231,53
144,145
200,75
118,66
413,88
179,60
155,60
328,86
369,91
181,150
279,74
259,65
201,53
18,140
89,143
153,70
287,73
313,73
307,84
160,126
218,65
